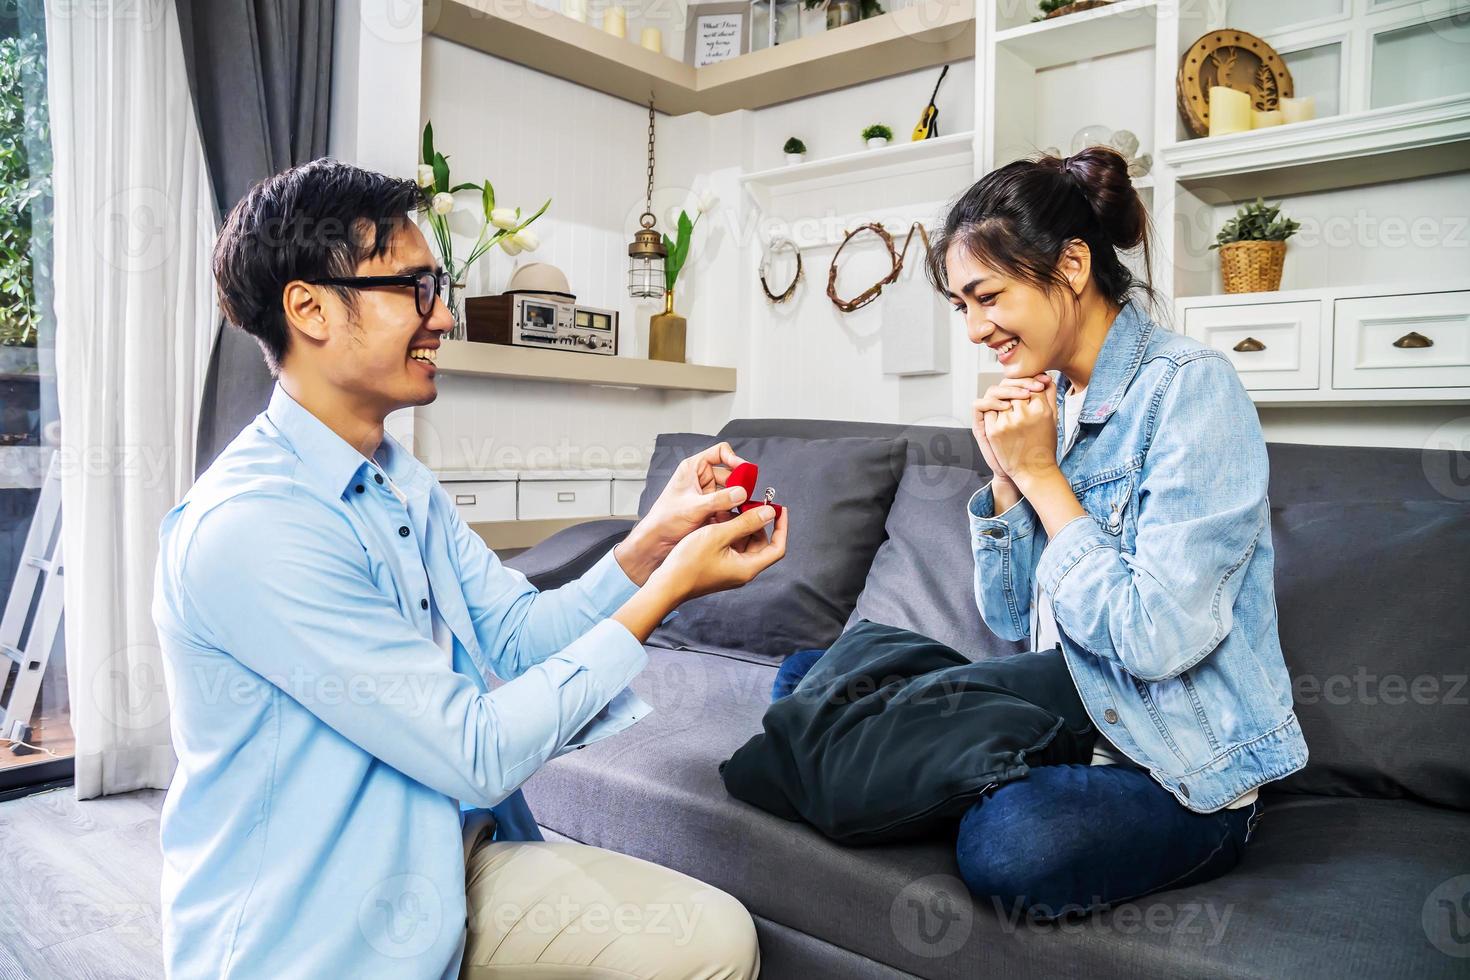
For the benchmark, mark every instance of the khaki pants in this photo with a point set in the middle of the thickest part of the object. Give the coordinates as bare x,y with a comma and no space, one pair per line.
554,910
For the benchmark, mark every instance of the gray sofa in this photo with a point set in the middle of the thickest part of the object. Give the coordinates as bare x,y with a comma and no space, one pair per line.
1361,863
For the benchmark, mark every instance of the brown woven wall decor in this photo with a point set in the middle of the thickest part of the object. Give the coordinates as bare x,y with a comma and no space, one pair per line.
1235,60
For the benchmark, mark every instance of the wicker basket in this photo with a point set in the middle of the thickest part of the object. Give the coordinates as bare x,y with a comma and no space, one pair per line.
1252,267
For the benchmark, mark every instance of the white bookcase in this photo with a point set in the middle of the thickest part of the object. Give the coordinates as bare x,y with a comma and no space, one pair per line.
1392,84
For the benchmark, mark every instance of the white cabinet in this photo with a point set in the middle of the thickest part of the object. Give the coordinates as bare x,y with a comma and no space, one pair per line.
1272,345
553,499
480,497
1385,342
625,495
1342,345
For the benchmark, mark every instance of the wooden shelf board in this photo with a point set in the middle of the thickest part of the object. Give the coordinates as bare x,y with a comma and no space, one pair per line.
1094,33
528,363
1397,143
955,145
930,33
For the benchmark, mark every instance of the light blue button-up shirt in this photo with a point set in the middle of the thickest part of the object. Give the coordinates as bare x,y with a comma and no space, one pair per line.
326,745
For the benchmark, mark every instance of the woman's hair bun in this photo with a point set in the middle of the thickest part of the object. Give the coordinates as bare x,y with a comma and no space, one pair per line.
1101,174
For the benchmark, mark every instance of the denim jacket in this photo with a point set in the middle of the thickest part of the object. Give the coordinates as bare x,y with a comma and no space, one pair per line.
1163,593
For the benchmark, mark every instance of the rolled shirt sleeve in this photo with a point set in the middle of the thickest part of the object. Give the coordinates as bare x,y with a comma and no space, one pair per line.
282,585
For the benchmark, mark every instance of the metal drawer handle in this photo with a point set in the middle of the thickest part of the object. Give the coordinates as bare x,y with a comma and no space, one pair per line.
465,498
1249,346
566,496
1413,339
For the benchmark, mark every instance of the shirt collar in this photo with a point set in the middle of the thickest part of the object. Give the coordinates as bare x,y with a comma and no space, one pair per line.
1117,363
328,461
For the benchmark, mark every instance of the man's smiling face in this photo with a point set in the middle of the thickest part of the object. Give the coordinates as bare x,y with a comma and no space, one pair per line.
378,349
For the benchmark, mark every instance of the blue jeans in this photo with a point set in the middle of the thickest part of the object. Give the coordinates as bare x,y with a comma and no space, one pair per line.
1075,839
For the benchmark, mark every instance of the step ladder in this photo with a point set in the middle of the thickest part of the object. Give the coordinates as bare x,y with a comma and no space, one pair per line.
30,632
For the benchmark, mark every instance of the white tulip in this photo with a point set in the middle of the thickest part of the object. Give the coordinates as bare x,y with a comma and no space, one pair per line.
508,244
443,203
426,176
707,202
504,218
527,240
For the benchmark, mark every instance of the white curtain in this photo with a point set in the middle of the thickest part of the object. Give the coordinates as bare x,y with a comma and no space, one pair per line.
134,225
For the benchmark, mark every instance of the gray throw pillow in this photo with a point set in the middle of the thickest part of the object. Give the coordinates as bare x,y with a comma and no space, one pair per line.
839,492
1372,607
923,578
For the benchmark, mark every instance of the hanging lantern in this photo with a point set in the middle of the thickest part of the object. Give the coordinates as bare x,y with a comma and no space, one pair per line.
646,252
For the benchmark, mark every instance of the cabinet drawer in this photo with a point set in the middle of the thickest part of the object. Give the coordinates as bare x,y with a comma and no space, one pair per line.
625,494
1380,341
483,501
1274,346
545,499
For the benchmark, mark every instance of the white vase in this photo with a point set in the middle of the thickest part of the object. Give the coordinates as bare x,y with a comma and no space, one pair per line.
877,141
793,159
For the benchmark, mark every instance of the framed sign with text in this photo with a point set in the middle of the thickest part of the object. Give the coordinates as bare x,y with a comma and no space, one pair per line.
715,32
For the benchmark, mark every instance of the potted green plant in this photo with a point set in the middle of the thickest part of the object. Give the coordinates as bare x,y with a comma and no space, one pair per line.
877,135
1253,248
795,150
1061,8
510,231
843,12
667,330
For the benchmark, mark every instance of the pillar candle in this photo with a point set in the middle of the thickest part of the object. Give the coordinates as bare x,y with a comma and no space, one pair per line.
1265,119
652,39
1230,111
615,21
575,9
1299,110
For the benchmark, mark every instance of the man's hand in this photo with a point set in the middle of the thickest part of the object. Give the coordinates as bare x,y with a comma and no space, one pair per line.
695,496
712,558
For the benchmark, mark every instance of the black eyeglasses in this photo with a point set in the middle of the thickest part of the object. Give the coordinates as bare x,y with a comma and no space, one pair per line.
426,286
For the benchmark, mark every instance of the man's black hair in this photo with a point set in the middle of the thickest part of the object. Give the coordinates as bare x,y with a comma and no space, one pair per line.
320,219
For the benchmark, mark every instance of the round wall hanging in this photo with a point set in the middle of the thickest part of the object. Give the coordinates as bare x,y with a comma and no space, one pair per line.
1235,60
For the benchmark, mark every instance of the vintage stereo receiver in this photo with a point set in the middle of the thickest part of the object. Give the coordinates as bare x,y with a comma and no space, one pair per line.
539,319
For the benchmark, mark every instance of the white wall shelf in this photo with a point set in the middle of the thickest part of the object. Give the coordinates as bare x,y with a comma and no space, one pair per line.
528,363
1094,33
941,151
932,32
1398,143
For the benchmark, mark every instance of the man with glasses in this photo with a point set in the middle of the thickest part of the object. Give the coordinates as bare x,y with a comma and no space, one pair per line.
329,628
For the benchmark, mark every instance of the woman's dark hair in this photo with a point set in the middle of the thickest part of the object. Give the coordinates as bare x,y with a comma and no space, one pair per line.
1020,218
317,220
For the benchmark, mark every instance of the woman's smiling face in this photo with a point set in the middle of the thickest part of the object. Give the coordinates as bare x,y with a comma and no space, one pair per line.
1028,328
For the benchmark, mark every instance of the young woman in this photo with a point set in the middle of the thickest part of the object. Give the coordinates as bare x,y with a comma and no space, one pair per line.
1127,527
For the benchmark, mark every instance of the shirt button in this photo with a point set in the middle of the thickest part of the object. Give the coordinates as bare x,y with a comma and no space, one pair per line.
403,531
1184,791
378,477
1110,716
993,532
423,603
359,488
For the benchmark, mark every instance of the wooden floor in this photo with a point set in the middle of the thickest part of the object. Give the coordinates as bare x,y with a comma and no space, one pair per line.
80,887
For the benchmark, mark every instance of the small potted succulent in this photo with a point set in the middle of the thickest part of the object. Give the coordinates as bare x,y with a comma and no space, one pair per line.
1253,248
795,150
877,135
1061,8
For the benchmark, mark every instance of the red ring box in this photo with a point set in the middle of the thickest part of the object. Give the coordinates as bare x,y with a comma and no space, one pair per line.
745,475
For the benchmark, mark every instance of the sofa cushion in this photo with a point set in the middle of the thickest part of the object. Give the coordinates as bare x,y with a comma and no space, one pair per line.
1325,881
1374,619
923,577
839,492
